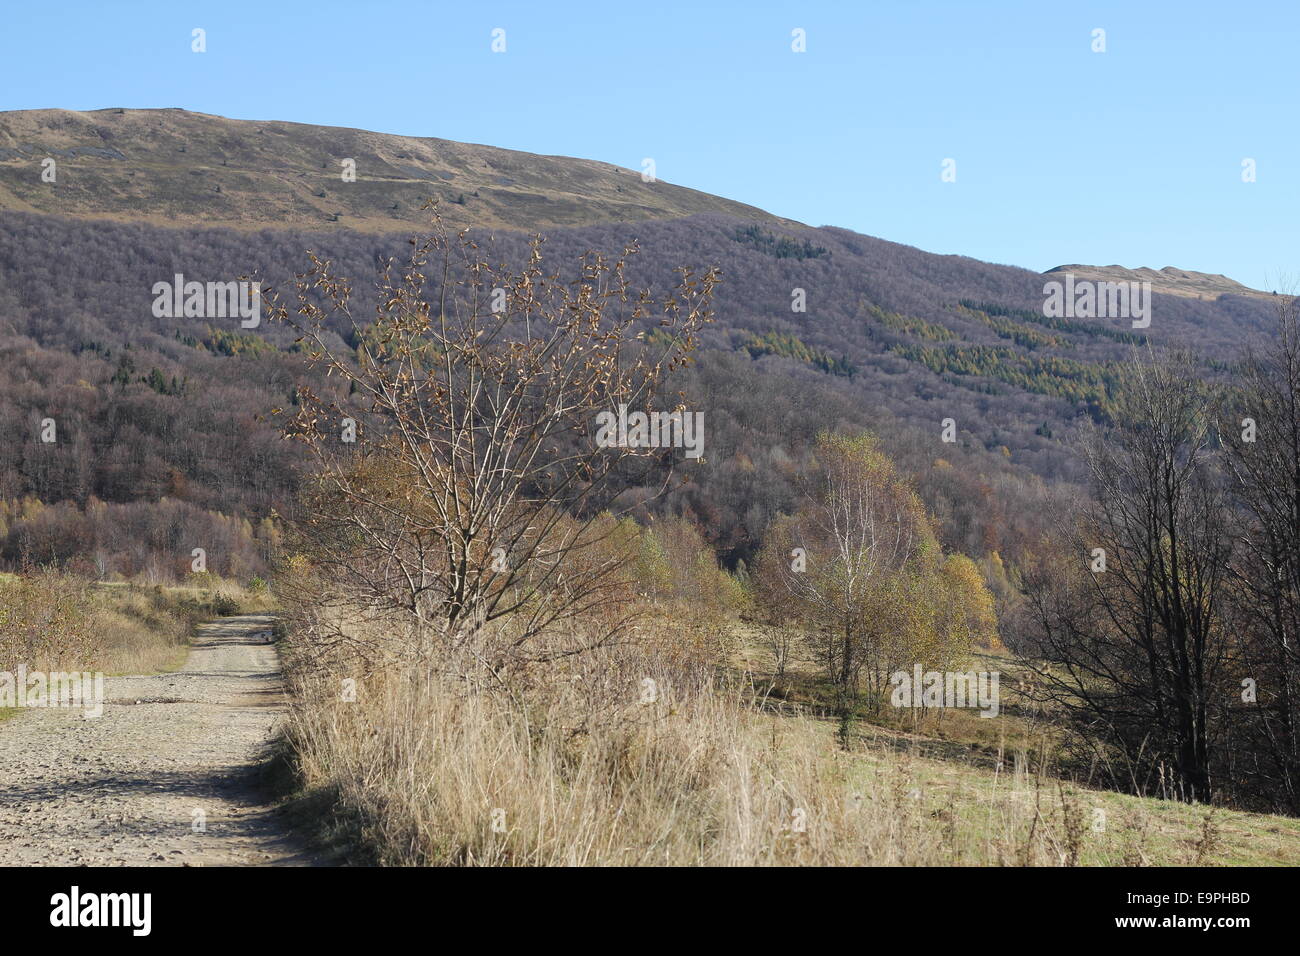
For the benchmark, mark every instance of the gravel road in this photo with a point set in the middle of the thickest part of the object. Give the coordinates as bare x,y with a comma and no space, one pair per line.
165,777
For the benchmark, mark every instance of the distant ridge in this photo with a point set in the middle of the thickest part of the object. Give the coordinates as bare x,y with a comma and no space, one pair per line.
1169,280
177,168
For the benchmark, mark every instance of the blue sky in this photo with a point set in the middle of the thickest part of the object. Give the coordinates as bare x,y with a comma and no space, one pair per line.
1131,156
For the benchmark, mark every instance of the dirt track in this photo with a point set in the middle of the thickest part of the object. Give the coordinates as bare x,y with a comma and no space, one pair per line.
123,789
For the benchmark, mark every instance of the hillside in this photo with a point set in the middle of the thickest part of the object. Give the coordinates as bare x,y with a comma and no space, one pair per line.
173,167
165,431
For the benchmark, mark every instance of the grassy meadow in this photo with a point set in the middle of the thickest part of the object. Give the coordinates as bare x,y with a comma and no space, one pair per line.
739,771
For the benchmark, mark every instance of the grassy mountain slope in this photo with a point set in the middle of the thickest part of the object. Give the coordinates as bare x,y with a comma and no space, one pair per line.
174,167
1169,280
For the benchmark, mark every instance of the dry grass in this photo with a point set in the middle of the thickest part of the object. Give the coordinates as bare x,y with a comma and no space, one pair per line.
425,773
53,621
146,629
142,631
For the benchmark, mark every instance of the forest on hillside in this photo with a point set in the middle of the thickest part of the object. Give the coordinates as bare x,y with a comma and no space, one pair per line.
167,432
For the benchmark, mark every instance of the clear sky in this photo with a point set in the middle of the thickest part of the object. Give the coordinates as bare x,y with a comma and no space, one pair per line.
1131,156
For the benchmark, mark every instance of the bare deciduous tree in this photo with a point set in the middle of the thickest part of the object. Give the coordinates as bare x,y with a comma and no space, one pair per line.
1263,454
1136,653
475,489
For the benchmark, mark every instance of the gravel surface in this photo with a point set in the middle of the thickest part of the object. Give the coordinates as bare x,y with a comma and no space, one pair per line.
165,777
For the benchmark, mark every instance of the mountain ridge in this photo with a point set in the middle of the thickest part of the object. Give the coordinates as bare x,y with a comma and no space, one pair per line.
1169,280
178,167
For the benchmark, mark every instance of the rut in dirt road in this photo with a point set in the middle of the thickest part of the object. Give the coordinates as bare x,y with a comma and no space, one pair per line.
169,751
